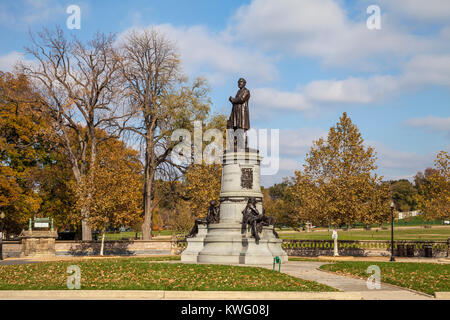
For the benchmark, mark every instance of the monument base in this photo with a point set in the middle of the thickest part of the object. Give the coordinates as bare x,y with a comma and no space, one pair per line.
194,245
227,242
240,248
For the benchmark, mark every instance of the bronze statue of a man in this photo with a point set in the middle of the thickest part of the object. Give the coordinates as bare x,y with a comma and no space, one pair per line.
213,216
251,217
239,118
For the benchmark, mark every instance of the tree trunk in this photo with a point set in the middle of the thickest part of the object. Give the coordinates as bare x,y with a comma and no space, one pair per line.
86,231
148,192
103,242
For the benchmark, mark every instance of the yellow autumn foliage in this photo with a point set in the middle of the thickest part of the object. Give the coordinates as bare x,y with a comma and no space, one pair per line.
434,195
202,184
336,185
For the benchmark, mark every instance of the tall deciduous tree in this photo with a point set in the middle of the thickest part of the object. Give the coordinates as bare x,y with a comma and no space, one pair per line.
202,184
336,185
434,193
422,177
78,85
150,67
25,147
404,195
115,192
279,203
39,179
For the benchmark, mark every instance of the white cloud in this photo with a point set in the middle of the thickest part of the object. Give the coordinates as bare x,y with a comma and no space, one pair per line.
393,164
402,162
272,98
428,69
293,146
289,165
9,60
321,28
430,122
317,28
20,14
419,71
41,10
430,10
216,56
277,22
291,142
287,168
297,142
353,90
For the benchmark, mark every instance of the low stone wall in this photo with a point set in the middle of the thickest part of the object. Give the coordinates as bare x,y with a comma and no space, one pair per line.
121,247
12,249
361,248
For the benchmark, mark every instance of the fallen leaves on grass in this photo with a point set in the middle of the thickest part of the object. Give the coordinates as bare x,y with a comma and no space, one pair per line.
424,277
132,274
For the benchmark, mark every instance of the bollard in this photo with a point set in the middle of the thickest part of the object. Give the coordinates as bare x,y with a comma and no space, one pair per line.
275,261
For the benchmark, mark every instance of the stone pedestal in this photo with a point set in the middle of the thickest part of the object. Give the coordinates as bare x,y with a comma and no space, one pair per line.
37,243
194,245
227,242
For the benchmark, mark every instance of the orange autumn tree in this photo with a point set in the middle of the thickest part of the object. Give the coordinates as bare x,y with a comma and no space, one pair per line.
202,184
202,181
25,150
336,185
114,197
434,192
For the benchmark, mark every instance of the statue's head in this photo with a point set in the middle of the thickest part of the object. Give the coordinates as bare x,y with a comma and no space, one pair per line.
241,83
252,200
213,203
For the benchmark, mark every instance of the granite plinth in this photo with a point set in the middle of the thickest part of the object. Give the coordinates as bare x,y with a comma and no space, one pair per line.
227,242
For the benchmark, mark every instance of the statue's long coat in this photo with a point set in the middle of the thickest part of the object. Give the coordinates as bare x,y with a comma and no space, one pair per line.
239,118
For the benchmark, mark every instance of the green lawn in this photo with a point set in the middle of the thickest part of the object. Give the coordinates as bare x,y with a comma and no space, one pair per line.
413,233
142,274
424,277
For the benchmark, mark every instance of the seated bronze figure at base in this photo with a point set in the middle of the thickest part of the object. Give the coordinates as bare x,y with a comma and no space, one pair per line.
213,216
252,217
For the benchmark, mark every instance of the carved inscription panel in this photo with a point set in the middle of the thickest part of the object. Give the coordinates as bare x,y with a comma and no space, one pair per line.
247,178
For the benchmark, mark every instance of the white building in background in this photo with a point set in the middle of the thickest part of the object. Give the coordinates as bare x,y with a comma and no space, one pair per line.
408,214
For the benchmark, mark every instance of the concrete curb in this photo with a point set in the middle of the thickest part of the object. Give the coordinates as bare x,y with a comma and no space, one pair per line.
196,295
442,295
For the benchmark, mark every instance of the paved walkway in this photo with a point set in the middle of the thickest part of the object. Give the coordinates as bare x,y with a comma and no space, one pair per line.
8,262
309,271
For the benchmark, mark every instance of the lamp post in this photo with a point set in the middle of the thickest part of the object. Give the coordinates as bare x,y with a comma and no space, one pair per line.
2,216
392,231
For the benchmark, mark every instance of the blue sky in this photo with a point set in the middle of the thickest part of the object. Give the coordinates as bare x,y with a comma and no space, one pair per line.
305,61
